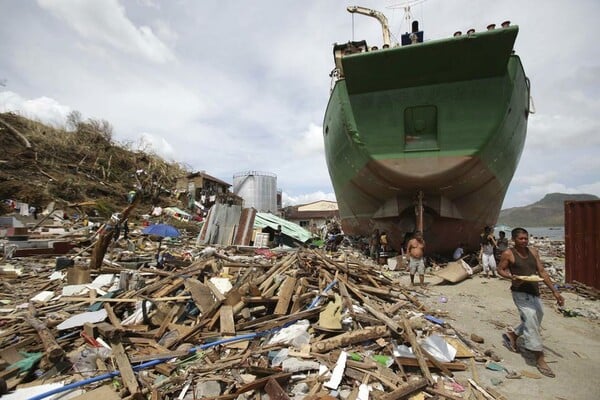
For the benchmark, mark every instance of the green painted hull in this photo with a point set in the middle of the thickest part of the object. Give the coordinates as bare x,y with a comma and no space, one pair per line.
446,117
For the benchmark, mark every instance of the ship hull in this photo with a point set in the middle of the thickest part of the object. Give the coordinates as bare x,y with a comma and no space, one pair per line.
447,119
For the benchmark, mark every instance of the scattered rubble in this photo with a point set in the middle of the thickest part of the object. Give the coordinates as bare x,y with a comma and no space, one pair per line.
228,322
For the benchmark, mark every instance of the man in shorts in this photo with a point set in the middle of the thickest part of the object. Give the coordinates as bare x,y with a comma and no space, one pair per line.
416,254
486,253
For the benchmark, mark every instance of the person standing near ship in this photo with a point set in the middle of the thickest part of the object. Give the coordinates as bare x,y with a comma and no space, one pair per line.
501,246
374,244
416,254
458,252
278,238
486,252
525,261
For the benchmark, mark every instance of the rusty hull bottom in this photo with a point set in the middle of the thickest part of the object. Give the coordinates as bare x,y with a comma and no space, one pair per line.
442,237
461,197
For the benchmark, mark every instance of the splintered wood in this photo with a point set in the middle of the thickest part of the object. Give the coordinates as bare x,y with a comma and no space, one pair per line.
228,324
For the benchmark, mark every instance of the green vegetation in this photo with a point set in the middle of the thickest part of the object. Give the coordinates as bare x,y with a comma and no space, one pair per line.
40,164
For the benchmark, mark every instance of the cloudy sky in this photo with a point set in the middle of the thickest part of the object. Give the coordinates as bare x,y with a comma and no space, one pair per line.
228,86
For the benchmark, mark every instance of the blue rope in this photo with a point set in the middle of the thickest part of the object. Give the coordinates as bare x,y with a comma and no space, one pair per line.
157,361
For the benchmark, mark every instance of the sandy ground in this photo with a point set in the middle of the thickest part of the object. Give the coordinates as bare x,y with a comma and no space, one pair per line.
484,307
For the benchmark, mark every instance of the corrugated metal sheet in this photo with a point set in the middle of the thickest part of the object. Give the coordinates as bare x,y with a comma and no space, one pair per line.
220,225
245,228
582,242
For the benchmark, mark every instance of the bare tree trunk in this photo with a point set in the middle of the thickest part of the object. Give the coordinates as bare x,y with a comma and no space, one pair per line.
107,234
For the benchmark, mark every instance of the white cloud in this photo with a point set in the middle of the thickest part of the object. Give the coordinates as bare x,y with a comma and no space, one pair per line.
43,109
551,132
250,82
589,188
311,141
105,22
289,200
536,179
156,144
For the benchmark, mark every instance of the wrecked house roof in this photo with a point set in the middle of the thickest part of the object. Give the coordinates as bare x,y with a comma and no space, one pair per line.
207,177
263,220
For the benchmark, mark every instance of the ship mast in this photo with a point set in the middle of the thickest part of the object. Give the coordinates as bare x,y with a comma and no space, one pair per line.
377,15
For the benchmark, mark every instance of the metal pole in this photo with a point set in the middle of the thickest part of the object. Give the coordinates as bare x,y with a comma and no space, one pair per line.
419,211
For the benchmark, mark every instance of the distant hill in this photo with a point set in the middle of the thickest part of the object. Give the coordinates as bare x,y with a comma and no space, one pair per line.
549,211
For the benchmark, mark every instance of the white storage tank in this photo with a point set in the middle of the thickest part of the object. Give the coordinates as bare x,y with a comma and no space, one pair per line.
258,189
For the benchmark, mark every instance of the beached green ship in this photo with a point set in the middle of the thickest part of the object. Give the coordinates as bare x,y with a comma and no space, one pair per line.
425,135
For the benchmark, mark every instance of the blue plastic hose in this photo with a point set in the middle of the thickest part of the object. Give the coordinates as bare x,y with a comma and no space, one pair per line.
157,361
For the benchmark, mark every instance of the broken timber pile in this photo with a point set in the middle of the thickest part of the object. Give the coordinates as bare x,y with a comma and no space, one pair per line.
228,326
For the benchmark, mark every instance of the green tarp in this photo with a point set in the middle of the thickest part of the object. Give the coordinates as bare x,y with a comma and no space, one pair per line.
263,220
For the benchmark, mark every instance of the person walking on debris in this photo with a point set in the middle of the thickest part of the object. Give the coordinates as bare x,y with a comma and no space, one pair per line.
374,245
515,263
486,252
416,253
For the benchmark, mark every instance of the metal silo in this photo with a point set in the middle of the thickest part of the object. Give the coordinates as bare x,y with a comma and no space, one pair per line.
258,189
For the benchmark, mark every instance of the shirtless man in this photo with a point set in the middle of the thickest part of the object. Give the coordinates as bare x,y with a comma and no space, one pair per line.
525,261
416,251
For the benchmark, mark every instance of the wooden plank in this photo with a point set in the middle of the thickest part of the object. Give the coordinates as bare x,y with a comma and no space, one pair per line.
169,288
122,300
215,291
201,294
227,323
297,304
155,356
275,391
270,321
124,365
410,336
112,317
285,296
53,350
412,362
348,338
174,311
260,383
108,331
391,324
104,392
405,390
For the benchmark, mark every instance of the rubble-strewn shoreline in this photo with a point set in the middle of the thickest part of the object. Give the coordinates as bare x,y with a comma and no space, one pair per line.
242,322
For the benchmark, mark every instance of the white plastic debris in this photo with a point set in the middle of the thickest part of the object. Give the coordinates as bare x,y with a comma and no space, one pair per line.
292,333
43,296
78,320
403,351
137,316
439,348
223,284
338,372
293,364
56,275
363,392
103,280
74,290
